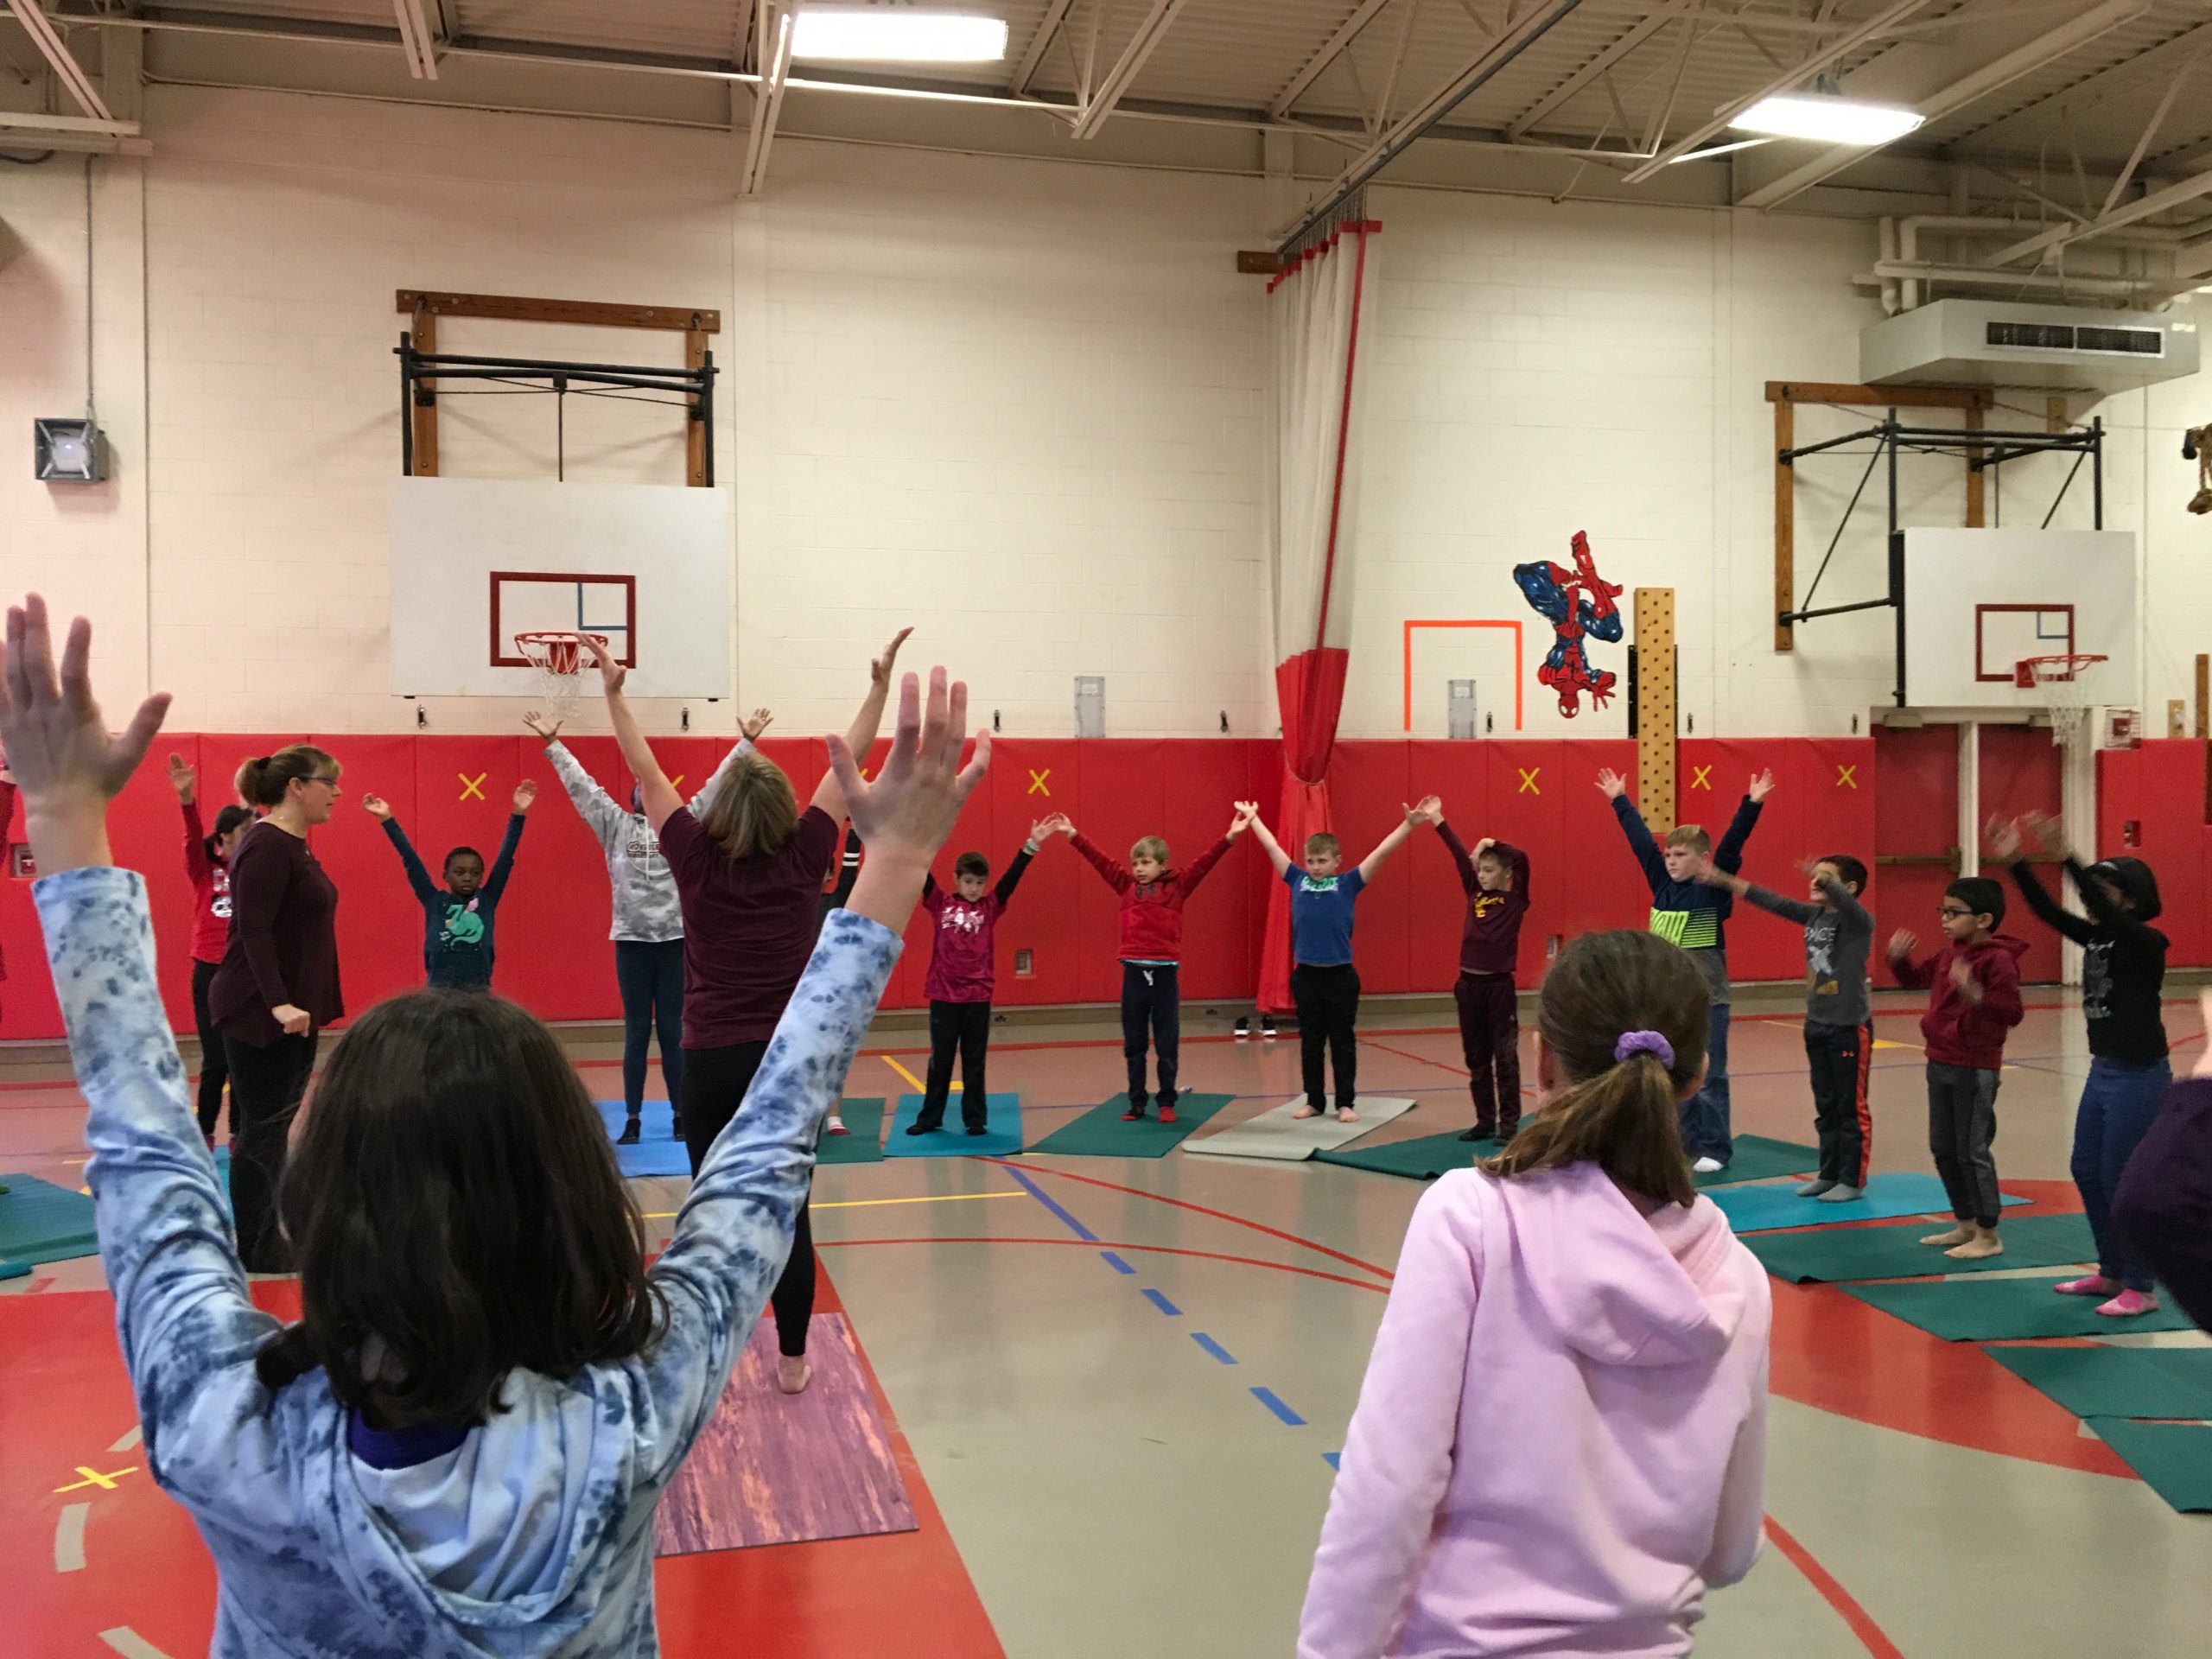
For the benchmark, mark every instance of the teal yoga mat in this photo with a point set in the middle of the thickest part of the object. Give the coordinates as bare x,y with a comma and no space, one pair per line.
2118,1382
1762,1209
1757,1158
2175,1459
1831,1254
1100,1133
40,1222
864,1145
1422,1159
2003,1310
1003,1136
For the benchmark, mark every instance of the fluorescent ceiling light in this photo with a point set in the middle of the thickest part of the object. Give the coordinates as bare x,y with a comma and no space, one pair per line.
887,34
1830,119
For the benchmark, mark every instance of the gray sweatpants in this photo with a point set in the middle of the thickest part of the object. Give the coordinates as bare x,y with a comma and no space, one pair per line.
1961,1124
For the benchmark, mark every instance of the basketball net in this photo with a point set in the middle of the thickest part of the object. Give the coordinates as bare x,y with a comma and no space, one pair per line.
2065,683
559,661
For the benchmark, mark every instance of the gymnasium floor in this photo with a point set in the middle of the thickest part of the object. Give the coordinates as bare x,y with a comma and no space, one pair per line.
1092,1478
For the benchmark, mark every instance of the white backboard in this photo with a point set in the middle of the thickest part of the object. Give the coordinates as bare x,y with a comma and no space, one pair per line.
1977,601
476,560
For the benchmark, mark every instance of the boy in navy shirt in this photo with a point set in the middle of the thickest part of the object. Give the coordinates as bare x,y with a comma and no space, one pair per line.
457,919
1324,984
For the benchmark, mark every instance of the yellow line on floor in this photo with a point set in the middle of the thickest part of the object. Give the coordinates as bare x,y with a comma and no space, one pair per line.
869,1204
902,1072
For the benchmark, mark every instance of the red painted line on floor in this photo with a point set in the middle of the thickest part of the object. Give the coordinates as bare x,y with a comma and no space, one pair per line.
1107,1244
1404,1054
1861,1621
1200,1208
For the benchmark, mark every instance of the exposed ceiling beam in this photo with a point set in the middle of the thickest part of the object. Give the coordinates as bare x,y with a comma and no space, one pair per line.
1040,43
66,69
1874,27
1635,36
1338,43
2047,243
2068,36
2027,127
772,25
2149,131
1517,38
1142,45
416,40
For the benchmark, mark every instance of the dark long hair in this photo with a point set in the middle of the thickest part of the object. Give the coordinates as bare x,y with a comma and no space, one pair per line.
452,1197
1618,1115
225,821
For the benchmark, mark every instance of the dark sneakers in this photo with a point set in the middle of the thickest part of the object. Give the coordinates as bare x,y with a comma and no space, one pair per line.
1134,1114
629,1136
921,1126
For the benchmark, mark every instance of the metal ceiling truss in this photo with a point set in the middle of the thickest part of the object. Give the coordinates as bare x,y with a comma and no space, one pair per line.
67,70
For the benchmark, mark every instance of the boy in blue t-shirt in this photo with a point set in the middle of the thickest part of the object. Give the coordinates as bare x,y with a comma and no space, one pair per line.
1324,984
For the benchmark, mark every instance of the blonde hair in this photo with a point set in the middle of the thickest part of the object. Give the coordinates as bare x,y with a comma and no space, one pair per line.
264,779
754,811
1691,835
1151,847
1322,842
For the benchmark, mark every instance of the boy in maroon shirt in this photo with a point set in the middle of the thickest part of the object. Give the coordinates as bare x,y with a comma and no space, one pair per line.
1152,897
1496,879
964,930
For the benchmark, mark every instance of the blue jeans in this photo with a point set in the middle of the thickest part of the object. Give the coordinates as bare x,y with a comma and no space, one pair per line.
1704,1115
2118,1103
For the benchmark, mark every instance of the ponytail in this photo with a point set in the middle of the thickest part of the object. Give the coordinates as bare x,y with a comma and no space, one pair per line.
264,779
1623,1014
225,821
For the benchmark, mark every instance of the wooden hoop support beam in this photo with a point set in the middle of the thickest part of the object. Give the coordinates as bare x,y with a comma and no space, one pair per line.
425,308
1652,701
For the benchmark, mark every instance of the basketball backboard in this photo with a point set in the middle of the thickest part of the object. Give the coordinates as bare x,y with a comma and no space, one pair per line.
1977,602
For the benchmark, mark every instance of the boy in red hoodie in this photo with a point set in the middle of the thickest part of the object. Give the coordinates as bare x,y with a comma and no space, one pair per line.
1976,999
1152,897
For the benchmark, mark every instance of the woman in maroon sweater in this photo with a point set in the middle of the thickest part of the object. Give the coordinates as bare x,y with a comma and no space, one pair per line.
207,863
278,985
749,869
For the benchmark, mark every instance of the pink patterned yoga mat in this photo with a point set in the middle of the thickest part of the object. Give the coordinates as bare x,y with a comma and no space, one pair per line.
785,1469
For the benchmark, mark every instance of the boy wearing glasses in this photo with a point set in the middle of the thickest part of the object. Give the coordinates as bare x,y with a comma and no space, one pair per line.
1975,977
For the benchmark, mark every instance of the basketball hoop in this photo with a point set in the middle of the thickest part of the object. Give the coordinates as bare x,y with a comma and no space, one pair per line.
559,660
2066,686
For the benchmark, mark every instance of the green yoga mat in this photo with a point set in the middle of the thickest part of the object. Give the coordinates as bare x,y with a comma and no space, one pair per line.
1423,1158
864,1145
2175,1459
1100,1133
40,1222
1828,1254
2118,1382
1757,1158
2004,1310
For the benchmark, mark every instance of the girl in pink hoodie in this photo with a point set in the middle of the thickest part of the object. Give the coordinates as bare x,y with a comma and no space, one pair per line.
1561,1440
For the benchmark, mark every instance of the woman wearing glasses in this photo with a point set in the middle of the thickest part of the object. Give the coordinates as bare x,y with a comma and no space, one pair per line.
278,985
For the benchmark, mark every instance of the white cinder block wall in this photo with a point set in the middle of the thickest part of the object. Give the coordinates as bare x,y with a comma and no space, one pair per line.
1023,405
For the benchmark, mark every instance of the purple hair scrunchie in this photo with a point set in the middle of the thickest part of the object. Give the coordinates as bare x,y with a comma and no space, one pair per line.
1644,1042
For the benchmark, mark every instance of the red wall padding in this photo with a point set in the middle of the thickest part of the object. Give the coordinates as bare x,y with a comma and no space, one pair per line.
554,954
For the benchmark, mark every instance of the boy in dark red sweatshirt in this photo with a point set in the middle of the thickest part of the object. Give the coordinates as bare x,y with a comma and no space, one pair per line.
1496,879
964,934
1976,999
1152,897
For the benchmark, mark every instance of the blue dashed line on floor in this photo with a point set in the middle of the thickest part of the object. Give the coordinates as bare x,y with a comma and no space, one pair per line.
1213,1347
1066,1220
1268,1398
1163,1305
1334,1460
1116,1262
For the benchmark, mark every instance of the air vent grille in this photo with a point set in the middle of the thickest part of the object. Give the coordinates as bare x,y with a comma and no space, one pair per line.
2064,337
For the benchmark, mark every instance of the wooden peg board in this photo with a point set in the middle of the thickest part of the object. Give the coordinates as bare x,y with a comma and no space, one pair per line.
1654,701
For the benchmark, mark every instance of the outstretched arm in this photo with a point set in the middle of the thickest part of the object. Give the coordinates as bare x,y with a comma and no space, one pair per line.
593,805
1115,873
503,865
426,891
655,793
1012,878
1614,788
1269,845
1729,855
860,738
1396,838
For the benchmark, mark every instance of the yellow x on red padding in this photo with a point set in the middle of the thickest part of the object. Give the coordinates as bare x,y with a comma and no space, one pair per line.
1528,779
1701,778
1846,776
93,1477
472,786
1037,784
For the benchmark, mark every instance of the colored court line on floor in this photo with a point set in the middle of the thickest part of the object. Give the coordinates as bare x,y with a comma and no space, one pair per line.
1135,1249
1272,1401
912,1081
1213,1347
1199,1209
1061,1214
131,1645
1334,1460
866,1204
1163,1304
1116,1262
1871,1635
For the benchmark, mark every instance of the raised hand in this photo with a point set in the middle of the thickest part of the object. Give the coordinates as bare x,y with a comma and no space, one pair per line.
1712,877
545,727
611,671
377,807
2049,832
1611,784
760,721
182,778
1241,816
58,747
1058,823
1762,786
879,671
1427,810
525,793
1481,846
1902,942
904,815
1962,976
2004,836
1043,829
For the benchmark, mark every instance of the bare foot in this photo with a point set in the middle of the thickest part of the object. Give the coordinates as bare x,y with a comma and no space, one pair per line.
1958,1234
792,1375
1984,1244
1307,1110
1345,1115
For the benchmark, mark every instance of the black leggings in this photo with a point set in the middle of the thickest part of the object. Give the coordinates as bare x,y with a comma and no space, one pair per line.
718,1078
650,977
1328,1013
266,1085
1152,1000
966,1028
214,1061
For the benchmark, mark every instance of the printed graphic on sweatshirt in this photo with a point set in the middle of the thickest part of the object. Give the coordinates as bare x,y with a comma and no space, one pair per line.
1487,902
218,902
1693,929
961,919
1318,884
464,927
2096,980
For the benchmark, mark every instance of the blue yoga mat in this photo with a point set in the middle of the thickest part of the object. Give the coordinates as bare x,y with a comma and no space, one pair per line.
659,1153
1004,1135
1762,1209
